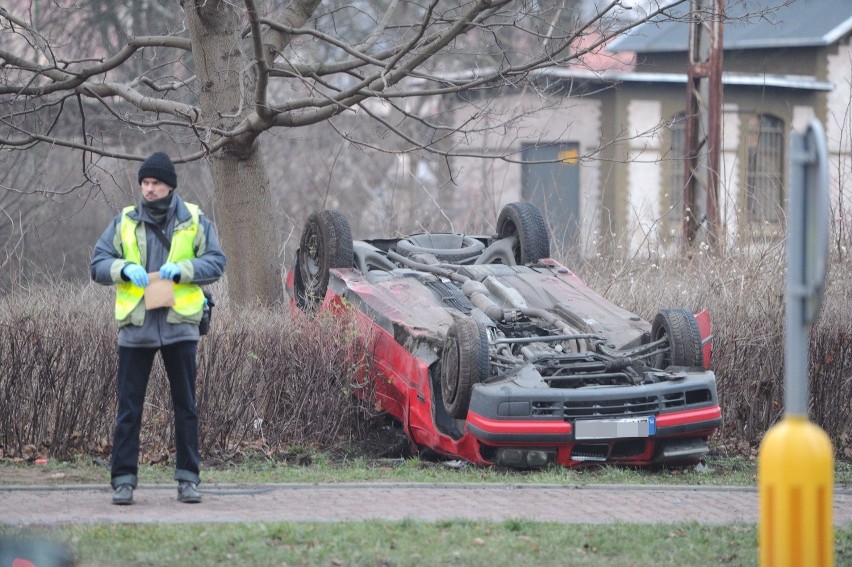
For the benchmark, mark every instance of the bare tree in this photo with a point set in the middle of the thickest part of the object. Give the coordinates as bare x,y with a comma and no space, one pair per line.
217,76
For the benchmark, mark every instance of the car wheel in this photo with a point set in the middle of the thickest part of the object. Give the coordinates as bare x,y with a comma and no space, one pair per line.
681,329
524,220
450,248
464,362
326,243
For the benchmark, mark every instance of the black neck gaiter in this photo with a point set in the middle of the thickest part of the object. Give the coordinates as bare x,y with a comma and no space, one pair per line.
158,208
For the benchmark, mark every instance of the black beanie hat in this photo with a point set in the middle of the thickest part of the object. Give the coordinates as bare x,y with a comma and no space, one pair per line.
159,166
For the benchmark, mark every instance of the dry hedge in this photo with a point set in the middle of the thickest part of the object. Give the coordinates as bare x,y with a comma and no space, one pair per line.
269,381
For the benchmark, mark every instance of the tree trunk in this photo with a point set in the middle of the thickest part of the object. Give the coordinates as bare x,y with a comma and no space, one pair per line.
240,182
244,207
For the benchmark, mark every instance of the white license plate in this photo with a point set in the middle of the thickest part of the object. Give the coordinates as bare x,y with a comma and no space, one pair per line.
621,428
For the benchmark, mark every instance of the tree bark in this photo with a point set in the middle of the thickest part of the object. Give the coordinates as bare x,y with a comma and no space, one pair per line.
240,181
244,207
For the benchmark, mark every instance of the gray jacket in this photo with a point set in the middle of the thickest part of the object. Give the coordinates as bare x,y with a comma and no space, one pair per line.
207,267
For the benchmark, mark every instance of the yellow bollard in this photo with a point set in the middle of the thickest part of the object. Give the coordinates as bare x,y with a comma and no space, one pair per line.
795,471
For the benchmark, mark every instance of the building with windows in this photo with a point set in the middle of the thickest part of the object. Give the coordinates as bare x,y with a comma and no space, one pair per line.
604,156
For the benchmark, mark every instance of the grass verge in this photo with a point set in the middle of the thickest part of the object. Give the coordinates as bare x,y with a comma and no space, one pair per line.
406,542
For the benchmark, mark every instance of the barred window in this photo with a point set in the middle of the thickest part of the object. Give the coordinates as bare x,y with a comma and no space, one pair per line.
765,169
673,199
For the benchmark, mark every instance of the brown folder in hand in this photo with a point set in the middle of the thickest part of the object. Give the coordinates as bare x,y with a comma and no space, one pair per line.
159,292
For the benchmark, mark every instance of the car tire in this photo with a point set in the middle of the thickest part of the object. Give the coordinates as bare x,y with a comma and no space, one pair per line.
464,362
469,247
524,220
680,327
326,243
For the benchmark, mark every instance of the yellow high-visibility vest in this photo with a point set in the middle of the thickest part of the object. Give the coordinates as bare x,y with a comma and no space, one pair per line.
189,299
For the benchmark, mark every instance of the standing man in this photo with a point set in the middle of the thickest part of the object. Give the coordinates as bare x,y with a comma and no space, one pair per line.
164,234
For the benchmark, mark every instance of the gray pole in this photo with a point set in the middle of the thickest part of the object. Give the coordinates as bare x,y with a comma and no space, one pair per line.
703,122
807,256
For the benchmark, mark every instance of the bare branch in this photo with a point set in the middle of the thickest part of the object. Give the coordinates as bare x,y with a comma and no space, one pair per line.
145,103
294,15
65,80
260,63
31,137
360,56
128,120
387,69
373,38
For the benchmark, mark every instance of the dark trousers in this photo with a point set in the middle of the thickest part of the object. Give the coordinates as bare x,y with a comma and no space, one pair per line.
134,370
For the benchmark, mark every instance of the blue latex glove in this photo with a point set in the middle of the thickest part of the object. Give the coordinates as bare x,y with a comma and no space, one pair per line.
136,274
169,271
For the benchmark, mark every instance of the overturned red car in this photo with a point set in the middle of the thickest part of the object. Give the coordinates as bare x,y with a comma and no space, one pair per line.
489,350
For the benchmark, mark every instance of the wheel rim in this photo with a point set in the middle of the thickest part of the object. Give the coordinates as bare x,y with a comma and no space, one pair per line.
450,384
310,263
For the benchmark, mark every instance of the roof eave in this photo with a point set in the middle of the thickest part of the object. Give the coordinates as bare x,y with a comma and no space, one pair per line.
796,82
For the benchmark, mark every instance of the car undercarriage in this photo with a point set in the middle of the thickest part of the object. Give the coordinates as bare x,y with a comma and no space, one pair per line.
492,351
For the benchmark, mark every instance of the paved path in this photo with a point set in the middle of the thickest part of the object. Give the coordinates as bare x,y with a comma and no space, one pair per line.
42,505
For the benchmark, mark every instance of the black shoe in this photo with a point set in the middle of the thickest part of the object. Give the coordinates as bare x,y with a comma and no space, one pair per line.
123,495
188,492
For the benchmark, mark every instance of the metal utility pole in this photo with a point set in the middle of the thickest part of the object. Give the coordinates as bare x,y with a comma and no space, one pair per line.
703,122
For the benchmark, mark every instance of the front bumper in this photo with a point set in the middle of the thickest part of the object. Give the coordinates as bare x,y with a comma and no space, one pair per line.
653,423
515,432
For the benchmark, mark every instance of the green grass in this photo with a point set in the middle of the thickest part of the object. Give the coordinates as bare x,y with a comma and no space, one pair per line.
717,471
509,543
